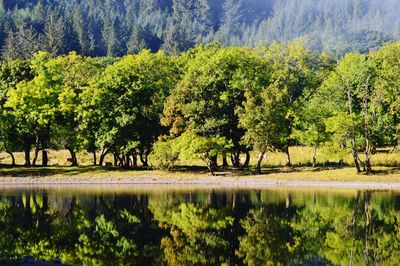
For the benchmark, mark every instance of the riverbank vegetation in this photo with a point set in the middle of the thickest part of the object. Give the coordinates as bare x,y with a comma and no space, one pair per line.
215,104
386,168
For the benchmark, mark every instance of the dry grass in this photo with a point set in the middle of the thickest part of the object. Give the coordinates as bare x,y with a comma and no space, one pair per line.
56,158
386,165
382,174
301,156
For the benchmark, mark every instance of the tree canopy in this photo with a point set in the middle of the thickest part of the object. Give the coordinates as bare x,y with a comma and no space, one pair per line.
212,102
115,28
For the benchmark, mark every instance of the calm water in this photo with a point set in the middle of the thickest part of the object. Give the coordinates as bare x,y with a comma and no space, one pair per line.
108,226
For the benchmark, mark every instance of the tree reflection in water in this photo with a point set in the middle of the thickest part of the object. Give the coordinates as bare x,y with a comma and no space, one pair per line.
270,227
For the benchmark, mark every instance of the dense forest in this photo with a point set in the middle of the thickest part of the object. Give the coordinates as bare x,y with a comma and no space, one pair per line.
207,103
119,27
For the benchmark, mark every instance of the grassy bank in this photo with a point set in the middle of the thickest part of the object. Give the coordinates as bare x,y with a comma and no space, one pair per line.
382,174
300,156
386,167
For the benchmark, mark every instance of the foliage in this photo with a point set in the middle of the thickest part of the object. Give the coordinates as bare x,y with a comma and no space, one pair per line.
207,103
128,100
355,119
271,227
196,233
115,28
186,147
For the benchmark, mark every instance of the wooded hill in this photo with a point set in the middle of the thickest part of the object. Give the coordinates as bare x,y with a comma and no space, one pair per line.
118,27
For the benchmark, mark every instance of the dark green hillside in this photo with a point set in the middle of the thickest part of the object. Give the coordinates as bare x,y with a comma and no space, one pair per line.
119,27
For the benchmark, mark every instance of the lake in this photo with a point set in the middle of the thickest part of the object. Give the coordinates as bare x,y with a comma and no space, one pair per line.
90,225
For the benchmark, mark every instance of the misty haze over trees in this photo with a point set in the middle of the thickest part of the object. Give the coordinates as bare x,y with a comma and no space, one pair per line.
118,27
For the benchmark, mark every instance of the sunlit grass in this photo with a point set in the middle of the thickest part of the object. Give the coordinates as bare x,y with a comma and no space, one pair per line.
382,174
386,165
300,156
56,158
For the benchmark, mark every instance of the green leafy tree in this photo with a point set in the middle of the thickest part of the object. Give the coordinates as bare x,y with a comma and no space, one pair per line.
14,135
206,99
387,87
298,73
128,100
189,145
72,73
353,118
310,126
36,103
269,113
263,116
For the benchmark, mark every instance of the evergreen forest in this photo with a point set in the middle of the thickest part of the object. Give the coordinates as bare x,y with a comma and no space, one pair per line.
119,27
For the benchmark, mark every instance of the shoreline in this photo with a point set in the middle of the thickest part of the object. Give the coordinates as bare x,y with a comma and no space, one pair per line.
202,181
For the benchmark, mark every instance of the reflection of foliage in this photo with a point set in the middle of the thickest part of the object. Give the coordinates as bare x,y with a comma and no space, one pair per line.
265,228
198,234
356,231
103,244
268,238
73,232
361,236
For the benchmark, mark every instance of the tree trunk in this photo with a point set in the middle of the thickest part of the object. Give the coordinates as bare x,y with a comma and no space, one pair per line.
115,160
353,137
235,157
45,158
214,161
247,161
118,161
27,157
27,152
127,161
287,153
355,159
367,161
144,157
368,164
103,154
12,157
94,158
224,161
134,159
210,161
37,150
315,156
74,160
259,162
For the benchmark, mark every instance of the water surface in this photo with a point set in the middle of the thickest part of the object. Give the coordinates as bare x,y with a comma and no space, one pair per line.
181,226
